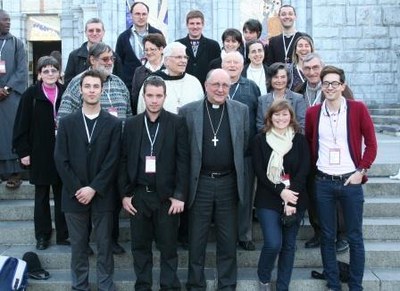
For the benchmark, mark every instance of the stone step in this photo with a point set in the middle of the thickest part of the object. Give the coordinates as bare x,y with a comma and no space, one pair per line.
375,279
388,129
374,228
378,254
388,111
386,119
378,184
20,210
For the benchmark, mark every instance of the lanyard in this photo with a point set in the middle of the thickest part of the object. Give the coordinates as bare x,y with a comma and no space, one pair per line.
234,92
152,141
108,92
286,49
334,134
300,74
2,46
316,100
88,134
55,99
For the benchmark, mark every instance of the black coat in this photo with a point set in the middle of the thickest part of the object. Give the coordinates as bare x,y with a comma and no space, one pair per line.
93,164
207,51
34,133
171,150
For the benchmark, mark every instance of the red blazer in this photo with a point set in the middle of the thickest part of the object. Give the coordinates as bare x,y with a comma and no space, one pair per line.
359,126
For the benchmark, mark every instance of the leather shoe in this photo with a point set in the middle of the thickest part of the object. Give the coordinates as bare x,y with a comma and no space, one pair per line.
341,246
247,245
117,249
42,244
314,242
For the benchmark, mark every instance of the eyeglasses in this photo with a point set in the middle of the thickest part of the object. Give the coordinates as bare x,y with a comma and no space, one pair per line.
48,71
150,50
107,59
334,84
138,14
180,58
224,86
314,68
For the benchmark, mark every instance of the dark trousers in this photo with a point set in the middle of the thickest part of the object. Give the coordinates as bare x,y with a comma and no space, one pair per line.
42,213
279,242
79,235
153,223
245,209
313,216
351,198
216,198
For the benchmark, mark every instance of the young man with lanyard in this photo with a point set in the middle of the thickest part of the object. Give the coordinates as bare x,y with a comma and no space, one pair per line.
280,47
87,154
153,179
114,99
343,147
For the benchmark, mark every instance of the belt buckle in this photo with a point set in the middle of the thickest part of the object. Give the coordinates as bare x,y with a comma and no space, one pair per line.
213,175
147,188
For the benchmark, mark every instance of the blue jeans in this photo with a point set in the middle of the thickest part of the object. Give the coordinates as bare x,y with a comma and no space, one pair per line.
278,240
351,198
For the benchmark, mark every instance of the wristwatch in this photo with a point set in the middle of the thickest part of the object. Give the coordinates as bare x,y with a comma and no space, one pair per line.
362,171
7,89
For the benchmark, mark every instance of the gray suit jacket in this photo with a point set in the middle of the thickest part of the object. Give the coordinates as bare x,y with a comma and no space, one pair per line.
296,101
239,124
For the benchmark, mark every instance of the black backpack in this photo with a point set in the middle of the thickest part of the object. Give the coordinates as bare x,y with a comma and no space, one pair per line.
344,272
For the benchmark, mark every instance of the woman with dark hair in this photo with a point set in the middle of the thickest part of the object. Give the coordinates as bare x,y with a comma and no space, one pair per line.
302,47
278,80
231,41
34,141
154,44
256,70
281,163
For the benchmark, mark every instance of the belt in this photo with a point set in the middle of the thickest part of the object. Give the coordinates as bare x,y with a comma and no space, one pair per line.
147,188
342,177
216,175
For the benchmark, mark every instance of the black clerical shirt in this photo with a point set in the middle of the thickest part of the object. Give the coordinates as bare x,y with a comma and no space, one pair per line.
217,158
148,179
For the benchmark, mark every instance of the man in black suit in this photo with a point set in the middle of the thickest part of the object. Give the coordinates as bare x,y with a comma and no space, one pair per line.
87,155
130,47
153,180
201,50
218,136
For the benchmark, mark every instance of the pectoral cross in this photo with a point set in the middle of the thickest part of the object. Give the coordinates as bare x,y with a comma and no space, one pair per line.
215,140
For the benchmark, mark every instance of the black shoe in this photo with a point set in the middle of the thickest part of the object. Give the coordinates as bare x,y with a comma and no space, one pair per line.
314,242
341,246
63,242
42,244
90,251
247,245
117,249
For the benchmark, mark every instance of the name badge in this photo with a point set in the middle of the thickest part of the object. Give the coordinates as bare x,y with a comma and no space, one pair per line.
334,156
113,111
150,167
285,179
2,67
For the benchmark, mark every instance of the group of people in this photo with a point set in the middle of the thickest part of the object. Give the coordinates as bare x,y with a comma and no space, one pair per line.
187,137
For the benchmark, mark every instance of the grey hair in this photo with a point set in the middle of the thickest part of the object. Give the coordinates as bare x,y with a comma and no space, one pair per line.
171,46
94,20
97,49
312,56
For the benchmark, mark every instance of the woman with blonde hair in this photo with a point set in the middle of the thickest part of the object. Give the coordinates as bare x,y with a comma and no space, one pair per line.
302,47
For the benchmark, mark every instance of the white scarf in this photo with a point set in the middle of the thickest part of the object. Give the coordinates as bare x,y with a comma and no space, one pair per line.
280,144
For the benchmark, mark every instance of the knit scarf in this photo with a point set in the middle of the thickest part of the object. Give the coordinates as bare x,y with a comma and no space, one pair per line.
280,144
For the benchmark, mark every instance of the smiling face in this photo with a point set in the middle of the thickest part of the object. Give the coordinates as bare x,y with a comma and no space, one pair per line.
312,70
332,87
303,48
49,75
233,65
231,44
281,120
217,86
287,16
195,27
176,63
104,62
94,32
256,54
279,80
152,52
